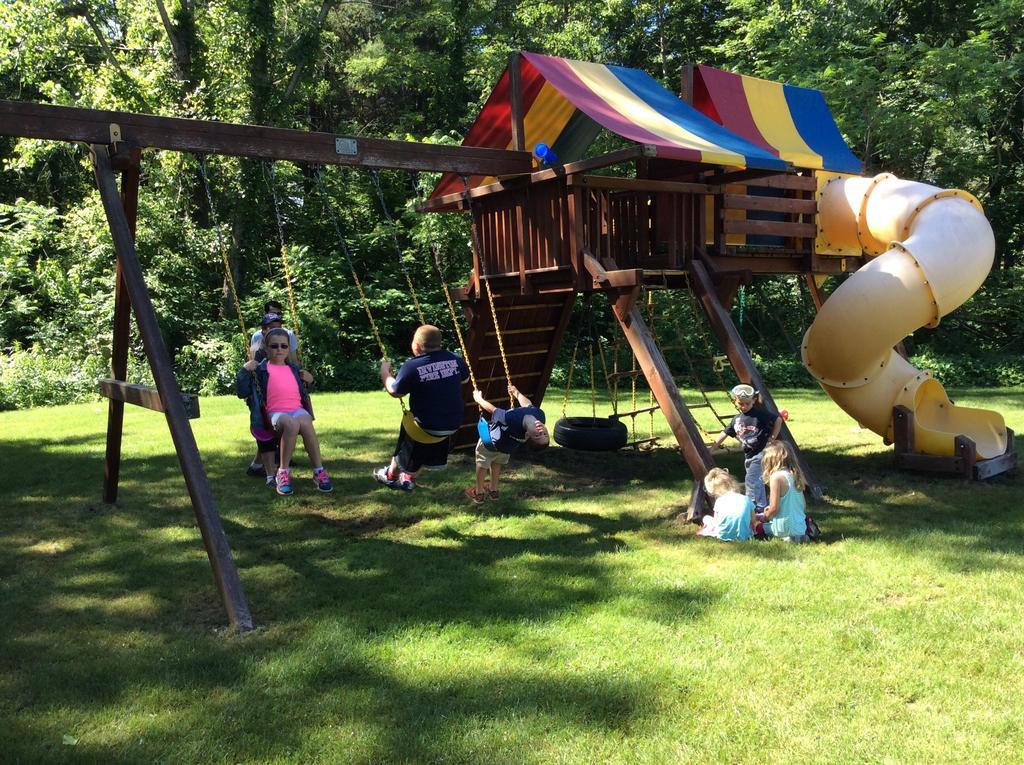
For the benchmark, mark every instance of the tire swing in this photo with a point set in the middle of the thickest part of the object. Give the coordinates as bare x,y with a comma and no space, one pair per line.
588,434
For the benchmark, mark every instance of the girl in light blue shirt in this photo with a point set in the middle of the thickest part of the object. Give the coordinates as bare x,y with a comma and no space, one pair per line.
784,517
733,518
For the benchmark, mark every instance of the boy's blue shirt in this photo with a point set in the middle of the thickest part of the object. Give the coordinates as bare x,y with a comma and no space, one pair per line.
507,429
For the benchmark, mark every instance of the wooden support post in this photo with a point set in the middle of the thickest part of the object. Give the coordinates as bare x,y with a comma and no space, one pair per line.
902,430
721,241
122,331
686,84
967,450
515,95
729,338
659,378
817,296
216,543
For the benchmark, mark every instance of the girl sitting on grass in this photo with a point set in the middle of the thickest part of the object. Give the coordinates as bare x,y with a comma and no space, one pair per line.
276,389
784,517
733,517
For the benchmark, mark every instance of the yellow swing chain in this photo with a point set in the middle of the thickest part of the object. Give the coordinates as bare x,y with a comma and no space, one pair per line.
487,285
351,266
272,183
393,227
229,278
650,321
435,250
568,381
593,386
355,275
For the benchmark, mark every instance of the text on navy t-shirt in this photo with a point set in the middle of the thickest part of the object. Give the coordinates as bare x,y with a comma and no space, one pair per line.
433,382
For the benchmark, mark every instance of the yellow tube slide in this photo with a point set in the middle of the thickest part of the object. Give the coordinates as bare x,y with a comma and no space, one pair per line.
934,249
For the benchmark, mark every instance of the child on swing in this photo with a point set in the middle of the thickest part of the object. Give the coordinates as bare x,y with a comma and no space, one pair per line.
733,517
263,464
276,390
508,428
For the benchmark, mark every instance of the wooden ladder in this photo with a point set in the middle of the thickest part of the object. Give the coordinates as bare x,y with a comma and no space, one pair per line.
532,328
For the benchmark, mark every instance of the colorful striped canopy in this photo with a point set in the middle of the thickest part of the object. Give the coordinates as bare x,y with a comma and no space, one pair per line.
790,122
566,103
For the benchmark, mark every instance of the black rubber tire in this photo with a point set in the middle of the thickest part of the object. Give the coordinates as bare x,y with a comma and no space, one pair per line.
591,434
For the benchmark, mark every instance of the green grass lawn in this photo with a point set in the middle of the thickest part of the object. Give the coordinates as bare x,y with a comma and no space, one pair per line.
573,620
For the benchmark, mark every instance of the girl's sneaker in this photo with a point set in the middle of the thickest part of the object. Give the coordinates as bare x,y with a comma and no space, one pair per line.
323,481
284,482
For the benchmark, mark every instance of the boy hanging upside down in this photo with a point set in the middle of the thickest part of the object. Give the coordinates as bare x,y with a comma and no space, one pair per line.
508,429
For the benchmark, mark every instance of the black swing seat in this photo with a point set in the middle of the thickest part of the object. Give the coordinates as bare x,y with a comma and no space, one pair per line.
591,434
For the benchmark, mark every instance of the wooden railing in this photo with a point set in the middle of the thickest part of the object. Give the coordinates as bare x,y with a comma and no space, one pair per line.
774,213
535,237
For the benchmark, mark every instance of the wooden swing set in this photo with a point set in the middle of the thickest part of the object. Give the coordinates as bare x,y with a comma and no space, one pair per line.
518,302
540,237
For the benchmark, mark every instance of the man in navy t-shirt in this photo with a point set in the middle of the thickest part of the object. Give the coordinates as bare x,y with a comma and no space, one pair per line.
432,379
506,430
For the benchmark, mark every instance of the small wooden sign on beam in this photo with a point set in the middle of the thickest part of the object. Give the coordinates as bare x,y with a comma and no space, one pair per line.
144,396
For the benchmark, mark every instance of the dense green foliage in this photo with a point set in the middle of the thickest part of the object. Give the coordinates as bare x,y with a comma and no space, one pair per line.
929,90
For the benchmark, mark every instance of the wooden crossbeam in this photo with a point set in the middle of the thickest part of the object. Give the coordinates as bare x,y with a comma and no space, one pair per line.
95,126
144,396
524,331
635,412
770,204
769,228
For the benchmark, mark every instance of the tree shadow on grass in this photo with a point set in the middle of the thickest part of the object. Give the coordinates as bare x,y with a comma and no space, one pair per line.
965,525
108,604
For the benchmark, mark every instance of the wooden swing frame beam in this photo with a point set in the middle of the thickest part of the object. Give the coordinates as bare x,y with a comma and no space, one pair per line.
116,140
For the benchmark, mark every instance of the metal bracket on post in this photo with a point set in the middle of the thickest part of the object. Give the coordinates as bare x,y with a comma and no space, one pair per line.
115,133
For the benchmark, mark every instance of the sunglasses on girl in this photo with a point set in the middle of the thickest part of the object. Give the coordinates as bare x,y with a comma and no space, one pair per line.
278,345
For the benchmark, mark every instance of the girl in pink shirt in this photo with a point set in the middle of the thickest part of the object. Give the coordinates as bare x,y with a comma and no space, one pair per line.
279,387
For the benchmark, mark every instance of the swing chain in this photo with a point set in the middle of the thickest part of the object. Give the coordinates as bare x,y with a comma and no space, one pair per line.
332,214
229,277
487,285
271,180
393,228
436,251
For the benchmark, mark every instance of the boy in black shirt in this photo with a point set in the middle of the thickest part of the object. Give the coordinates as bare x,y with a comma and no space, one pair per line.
754,427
